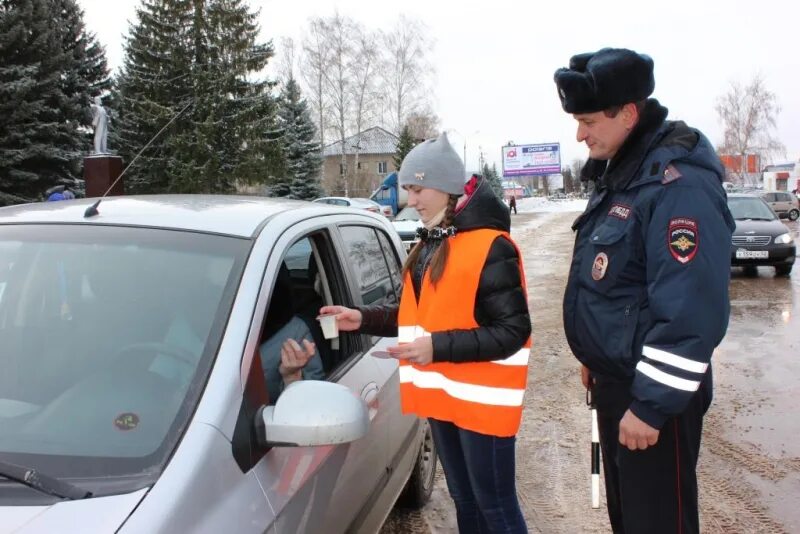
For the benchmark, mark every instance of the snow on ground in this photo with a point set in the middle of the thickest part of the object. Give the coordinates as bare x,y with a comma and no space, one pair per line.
549,209
543,205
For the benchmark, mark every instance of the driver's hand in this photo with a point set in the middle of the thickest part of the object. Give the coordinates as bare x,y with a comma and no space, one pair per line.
294,358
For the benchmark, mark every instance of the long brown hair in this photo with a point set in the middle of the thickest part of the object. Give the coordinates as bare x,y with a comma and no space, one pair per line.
439,259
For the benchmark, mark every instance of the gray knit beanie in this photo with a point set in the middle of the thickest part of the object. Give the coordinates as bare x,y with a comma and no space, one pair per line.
434,164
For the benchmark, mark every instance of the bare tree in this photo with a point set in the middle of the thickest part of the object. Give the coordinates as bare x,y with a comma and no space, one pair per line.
286,59
569,183
423,124
748,114
315,62
577,169
406,68
338,82
362,69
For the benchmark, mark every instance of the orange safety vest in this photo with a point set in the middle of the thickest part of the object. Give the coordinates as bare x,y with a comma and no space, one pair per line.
484,397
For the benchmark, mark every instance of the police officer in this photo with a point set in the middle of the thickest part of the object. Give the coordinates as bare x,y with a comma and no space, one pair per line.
647,297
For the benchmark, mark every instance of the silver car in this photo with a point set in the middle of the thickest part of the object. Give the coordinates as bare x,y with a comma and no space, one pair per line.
137,389
784,204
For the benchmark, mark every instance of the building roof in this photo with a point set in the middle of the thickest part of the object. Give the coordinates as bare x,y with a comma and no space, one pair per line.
375,140
779,167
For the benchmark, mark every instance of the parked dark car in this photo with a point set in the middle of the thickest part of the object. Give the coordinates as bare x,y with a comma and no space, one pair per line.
760,237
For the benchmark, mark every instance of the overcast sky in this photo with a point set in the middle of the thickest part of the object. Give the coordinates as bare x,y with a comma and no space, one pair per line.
495,60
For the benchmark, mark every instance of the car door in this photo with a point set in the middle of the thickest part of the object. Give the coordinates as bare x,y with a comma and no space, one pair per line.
784,203
322,489
772,200
377,273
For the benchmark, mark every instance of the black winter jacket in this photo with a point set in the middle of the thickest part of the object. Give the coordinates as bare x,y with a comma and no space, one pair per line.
501,306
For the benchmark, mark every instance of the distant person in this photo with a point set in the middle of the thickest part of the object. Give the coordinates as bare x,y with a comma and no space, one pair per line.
58,192
463,329
647,299
512,204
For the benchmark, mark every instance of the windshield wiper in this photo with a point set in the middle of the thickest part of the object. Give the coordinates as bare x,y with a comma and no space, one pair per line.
39,481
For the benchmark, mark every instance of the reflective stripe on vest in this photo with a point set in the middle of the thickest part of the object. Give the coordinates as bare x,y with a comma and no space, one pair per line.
485,397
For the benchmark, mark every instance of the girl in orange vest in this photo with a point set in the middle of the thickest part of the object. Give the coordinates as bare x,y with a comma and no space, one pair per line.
463,332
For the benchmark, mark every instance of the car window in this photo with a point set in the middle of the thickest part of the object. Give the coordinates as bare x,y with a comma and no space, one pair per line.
8,254
107,330
750,208
392,261
369,265
299,290
769,197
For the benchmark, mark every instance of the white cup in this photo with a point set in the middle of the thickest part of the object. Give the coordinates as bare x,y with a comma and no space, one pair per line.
330,328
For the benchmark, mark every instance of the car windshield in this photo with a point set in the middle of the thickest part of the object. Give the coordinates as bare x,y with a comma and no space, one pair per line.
108,337
407,214
750,208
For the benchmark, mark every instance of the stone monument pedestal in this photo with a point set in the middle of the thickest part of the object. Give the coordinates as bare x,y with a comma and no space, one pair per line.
99,172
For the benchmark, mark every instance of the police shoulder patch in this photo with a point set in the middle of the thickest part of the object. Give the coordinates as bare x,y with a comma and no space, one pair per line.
683,239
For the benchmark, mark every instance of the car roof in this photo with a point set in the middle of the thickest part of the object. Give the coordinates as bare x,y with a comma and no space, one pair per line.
232,215
744,195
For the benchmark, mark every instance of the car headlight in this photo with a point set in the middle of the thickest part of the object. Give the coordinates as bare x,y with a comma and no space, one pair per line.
783,239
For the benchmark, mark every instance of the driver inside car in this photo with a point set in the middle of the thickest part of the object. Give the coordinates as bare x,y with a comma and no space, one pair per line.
288,352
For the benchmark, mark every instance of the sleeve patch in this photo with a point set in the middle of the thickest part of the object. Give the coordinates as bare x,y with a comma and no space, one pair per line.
683,239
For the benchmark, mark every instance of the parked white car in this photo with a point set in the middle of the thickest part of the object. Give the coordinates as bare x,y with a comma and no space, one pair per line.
135,396
357,202
406,224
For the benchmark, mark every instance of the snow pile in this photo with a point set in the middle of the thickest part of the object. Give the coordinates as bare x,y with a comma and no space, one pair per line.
543,205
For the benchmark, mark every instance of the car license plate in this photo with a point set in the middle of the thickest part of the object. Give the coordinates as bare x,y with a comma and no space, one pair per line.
742,254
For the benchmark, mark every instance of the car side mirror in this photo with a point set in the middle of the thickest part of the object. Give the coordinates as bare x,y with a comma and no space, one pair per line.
311,413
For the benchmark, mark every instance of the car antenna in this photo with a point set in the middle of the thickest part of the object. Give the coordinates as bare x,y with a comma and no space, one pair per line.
92,210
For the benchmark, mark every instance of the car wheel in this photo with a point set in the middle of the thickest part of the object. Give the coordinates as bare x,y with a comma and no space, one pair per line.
794,214
783,270
420,484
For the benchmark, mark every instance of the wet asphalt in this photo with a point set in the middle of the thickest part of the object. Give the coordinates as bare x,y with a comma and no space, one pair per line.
757,386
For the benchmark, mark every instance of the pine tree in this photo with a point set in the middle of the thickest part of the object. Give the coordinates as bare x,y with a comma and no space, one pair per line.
87,75
153,88
404,146
198,56
48,74
301,149
493,178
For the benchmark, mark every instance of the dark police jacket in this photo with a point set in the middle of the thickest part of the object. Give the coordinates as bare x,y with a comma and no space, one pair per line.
647,297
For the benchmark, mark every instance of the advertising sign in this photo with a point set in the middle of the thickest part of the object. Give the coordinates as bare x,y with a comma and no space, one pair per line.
531,160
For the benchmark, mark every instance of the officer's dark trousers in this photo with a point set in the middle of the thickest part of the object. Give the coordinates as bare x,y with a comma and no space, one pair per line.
655,490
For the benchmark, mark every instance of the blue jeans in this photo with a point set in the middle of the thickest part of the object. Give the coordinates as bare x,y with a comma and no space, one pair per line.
480,476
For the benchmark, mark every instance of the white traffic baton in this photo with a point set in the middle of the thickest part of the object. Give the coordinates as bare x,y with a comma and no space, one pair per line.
595,461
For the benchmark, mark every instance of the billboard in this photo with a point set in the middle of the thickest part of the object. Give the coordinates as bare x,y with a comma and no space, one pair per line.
531,160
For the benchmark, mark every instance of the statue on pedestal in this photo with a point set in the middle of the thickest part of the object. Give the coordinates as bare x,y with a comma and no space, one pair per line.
100,124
